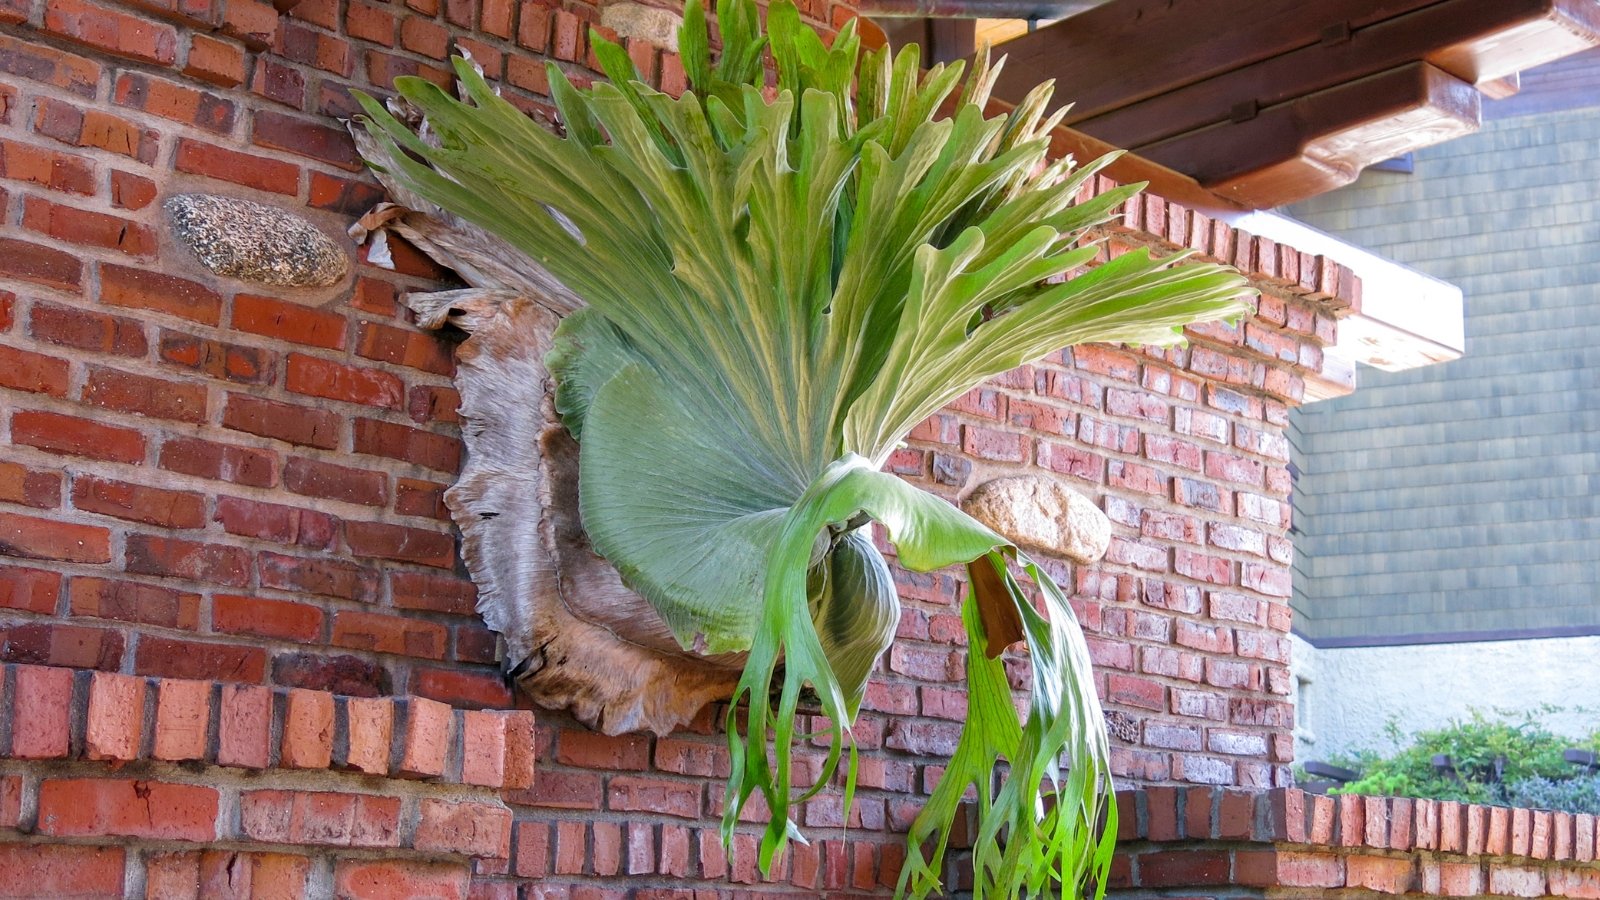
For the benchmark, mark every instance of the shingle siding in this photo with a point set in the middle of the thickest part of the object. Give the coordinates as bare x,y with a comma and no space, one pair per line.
1465,497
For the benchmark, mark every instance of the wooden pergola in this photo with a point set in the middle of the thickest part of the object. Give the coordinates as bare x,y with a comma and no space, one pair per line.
1256,103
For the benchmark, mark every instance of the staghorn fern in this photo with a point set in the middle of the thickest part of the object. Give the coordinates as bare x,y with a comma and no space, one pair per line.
779,286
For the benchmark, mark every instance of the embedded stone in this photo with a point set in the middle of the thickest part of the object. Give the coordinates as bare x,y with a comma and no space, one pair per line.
647,23
254,242
1040,513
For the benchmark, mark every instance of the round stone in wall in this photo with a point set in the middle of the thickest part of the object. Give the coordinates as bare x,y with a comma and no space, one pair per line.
1041,513
254,242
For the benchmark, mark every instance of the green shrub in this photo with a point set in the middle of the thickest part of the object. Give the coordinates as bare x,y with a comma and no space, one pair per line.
1574,795
1518,744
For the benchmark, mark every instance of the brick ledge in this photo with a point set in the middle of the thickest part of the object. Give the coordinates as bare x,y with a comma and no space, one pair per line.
52,713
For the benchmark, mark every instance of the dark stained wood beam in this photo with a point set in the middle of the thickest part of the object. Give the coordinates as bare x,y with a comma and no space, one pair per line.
1129,50
1264,102
1477,41
1313,144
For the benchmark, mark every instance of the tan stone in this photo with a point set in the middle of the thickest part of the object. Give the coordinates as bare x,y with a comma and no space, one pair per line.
647,23
254,242
1040,513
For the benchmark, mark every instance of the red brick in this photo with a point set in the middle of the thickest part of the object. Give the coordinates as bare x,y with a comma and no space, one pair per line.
218,359
140,395
380,879
303,137
41,713
87,330
253,21
206,459
174,875
520,750
37,62
279,82
1185,868
29,590
130,601
244,730
88,228
158,292
93,807
57,870
282,619
344,196
1516,881
469,829
174,558
198,158
401,543
433,593
402,347
33,372
56,644
307,730
320,818
1570,882
370,730
272,522
30,538
1101,360
325,577
1270,580
365,22
192,659
283,421
289,321
218,61
1385,875
423,36
331,482
434,451
112,31
461,688
1320,870
137,503
230,873
533,26
533,849
414,497
174,101
389,634
483,743
629,793
426,738
29,487
30,262
182,719
607,846
115,717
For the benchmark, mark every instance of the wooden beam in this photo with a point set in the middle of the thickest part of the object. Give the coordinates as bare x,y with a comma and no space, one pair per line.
1316,143
1568,27
1130,50
1478,41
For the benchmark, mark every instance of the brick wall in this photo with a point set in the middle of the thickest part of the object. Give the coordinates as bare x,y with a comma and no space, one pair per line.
1220,844
212,488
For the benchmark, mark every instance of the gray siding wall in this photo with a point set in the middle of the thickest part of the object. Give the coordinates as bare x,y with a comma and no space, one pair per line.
1464,498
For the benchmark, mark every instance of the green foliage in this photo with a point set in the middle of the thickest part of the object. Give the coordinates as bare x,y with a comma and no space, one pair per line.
1489,755
780,285
1579,794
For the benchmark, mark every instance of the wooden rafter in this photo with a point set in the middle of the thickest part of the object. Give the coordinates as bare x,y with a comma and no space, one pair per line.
1262,101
